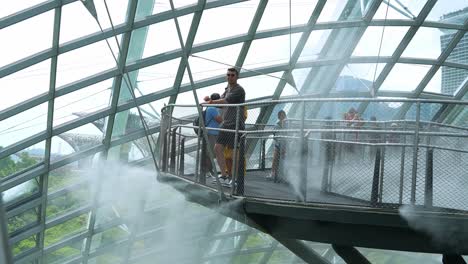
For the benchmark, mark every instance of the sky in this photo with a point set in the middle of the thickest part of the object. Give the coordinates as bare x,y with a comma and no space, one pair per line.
215,24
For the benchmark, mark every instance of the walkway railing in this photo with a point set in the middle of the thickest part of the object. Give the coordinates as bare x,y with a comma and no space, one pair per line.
314,158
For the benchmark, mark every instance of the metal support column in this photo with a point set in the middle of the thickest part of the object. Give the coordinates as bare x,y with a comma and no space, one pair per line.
350,255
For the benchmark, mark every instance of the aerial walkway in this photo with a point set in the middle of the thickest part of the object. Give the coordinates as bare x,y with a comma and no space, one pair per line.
377,180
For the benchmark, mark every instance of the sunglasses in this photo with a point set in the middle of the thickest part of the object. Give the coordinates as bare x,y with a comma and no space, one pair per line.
230,75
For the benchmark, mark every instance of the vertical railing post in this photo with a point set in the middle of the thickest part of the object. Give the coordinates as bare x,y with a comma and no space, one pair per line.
182,157
235,154
326,166
415,154
263,155
303,159
164,155
199,159
376,178
428,190
402,166
382,172
172,165
178,150
241,174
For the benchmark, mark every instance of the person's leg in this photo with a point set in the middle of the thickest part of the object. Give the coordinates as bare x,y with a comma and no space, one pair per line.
275,163
228,160
211,144
220,158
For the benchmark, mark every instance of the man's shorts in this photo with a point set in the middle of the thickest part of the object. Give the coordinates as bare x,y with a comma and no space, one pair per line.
227,138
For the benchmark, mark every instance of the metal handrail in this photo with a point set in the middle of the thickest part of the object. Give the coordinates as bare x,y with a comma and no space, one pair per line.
340,100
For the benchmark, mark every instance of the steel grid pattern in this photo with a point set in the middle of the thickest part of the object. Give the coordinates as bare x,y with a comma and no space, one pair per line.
128,28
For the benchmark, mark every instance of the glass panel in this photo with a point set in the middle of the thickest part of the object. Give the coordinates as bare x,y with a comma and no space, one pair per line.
260,52
70,29
300,76
404,77
159,6
426,113
64,253
224,17
117,10
16,6
25,84
334,110
381,111
213,62
276,14
460,53
156,78
249,258
26,218
447,80
108,237
79,139
23,245
314,45
115,257
257,240
66,229
453,12
181,3
370,42
126,122
187,98
17,38
21,191
134,150
260,85
22,160
281,256
404,9
86,61
162,37
357,78
428,43
68,199
72,174
73,12
338,10
82,102
23,125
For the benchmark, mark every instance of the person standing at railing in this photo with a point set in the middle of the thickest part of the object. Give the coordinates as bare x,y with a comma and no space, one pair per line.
373,137
280,148
234,94
212,120
353,121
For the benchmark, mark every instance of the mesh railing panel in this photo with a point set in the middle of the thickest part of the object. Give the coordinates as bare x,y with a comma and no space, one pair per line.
327,161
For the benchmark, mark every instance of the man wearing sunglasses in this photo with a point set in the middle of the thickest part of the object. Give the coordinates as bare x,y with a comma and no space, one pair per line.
233,94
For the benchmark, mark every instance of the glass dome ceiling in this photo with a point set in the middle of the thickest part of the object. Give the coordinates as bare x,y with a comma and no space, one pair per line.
67,100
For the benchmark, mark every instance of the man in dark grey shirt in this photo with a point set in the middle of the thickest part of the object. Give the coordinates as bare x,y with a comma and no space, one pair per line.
234,94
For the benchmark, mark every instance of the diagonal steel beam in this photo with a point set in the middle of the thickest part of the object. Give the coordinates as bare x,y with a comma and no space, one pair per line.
327,77
350,255
400,49
266,112
116,91
442,58
188,46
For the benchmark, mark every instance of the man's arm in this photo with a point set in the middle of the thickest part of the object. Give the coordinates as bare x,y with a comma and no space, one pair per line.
219,101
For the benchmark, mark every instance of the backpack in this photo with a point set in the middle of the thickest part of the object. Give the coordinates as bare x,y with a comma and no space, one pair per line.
196,123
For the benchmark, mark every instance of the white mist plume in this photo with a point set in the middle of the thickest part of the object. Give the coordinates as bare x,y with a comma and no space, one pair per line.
444,234
183,229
